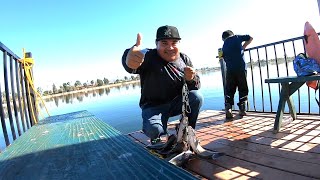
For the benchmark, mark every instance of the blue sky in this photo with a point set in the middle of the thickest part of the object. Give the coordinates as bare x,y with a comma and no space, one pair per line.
84,40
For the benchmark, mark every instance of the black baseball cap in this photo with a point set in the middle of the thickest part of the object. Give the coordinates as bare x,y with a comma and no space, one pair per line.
227,34
167,32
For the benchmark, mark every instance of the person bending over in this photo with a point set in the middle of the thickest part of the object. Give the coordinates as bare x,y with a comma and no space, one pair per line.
236,76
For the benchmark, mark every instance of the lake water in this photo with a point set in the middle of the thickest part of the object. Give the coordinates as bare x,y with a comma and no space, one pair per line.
118,106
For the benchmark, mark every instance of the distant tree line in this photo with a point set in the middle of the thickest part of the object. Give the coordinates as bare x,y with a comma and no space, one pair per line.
68,87
261,62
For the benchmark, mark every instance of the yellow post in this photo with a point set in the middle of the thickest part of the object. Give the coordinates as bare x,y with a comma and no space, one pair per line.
27,62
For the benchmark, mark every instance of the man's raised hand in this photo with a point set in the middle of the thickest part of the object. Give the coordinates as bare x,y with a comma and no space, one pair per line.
189,73
135,57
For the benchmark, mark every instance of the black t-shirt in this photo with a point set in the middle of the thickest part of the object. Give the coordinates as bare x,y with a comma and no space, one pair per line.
161,81
233,53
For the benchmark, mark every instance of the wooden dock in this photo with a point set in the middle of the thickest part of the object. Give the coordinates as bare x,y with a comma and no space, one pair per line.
252,150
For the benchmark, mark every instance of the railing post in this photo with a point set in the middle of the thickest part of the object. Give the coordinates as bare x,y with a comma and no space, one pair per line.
13,97
3,121
21,109
8,99
24,95
31,97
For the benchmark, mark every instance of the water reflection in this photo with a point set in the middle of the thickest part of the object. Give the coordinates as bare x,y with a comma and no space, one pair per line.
79,96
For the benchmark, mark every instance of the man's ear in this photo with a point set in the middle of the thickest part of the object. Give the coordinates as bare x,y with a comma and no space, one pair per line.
156,42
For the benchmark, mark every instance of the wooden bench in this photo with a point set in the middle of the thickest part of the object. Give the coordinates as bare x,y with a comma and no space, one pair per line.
289,85
80,146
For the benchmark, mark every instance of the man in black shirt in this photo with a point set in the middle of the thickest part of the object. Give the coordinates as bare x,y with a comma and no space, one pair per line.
163,72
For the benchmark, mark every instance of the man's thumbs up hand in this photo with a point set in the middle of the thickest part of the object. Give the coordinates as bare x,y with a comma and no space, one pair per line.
139,40
135,55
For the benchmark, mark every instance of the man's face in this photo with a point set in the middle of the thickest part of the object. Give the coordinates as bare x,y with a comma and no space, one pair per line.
168,49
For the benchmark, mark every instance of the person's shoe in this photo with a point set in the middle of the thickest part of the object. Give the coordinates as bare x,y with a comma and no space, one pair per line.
229,114
242,109
155,141
163,146
242,113
228,111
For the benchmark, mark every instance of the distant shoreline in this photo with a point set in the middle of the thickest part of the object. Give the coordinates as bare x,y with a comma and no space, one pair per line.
202,70
90,89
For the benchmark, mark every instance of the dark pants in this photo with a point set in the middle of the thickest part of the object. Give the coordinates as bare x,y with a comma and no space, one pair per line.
155,119
236,80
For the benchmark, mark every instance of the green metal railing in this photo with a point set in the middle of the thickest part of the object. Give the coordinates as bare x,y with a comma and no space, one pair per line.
270,61
17,99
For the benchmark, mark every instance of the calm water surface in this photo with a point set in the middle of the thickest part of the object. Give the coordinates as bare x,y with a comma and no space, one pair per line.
118,106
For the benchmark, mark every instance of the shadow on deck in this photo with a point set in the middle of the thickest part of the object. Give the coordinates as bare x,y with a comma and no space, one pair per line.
252,150
80,146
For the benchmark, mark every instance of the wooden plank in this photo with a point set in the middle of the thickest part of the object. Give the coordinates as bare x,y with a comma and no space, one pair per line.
236,132
303,153
228,167
213,171
225,168
253,151
302,168
225,132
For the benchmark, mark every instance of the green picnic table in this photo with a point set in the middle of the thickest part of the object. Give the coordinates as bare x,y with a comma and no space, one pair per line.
289,85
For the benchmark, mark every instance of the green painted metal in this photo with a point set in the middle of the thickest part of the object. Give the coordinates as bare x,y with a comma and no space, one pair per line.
301,79
80,146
